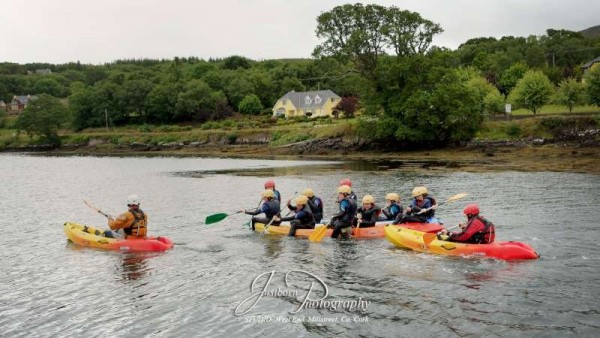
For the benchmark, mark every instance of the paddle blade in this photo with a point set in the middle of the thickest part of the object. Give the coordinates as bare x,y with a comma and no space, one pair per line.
457,197
215,218
318,234
428,237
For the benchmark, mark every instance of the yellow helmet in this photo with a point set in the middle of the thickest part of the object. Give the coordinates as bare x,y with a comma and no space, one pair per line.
308,192
419,191
392,197
268,193
301,200
344,189
368,199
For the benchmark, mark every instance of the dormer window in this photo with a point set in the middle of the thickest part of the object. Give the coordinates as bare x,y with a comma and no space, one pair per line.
307,100
317,99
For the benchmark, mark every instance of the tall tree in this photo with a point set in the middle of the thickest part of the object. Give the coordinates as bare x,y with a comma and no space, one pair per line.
43,117
533,91
593,86
570,93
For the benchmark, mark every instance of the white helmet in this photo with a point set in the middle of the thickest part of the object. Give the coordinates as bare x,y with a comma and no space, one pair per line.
133,200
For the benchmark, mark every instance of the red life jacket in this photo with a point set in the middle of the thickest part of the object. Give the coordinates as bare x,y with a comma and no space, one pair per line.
485,236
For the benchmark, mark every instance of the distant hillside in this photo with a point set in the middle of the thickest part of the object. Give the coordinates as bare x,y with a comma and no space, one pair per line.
592,32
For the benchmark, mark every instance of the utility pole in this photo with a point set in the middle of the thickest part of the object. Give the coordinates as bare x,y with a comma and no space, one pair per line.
106,118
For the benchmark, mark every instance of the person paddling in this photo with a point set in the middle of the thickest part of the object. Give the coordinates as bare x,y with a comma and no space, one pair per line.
392,209
315,203
269,207
131,224
421,208
302,219
367,214
478,230
346,181
270,184
347,212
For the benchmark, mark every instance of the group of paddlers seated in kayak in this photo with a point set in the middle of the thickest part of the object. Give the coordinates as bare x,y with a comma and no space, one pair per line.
308,212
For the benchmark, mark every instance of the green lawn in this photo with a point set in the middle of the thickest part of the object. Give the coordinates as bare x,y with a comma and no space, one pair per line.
554,109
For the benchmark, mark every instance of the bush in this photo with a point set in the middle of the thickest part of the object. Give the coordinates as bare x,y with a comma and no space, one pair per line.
513,130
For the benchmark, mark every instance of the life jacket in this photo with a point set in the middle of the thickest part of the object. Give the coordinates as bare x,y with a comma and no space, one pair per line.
350,212
316,209
307,218
139,227
423,205
387,211
277,194
485,236
273,208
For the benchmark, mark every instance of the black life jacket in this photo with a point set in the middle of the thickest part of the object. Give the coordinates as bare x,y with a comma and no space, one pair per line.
316,209
308,218
139,227
485,236
350,212
273,206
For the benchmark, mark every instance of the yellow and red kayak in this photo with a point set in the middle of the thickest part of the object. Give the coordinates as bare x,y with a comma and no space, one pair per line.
413,239
93,238
372,232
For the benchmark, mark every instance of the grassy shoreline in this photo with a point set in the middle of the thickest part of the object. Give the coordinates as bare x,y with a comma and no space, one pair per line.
499,145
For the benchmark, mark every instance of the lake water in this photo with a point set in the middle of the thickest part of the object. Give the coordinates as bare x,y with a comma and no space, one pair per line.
50,288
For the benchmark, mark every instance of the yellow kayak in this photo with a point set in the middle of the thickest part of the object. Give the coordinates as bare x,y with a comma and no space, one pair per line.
94,238
413,239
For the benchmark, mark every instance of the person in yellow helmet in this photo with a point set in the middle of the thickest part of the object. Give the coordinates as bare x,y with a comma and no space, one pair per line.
392,209
314,203
347,211
422,207
131,224
303,217
269,207
367,213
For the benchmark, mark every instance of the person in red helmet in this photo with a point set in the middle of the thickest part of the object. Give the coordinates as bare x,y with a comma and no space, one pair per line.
478,230
270,184
346,181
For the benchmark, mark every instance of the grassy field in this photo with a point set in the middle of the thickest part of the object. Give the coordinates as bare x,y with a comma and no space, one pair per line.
261,130
553,109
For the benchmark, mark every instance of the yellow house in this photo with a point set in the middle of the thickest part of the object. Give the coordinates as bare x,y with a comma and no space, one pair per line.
311,104
589,66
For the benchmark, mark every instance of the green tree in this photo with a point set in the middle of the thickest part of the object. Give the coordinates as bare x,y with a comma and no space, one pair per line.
570,93
593,86
43,117
50,86
408,33
510,77
196,97
533,91
161,101
250,105
489,97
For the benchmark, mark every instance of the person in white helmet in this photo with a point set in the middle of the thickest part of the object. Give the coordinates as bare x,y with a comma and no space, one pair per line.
131,224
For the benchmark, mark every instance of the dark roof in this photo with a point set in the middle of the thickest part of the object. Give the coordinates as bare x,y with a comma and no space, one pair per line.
589,64
310,100
25,98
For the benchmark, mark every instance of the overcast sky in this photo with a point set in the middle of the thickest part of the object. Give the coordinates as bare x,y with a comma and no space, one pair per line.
98,31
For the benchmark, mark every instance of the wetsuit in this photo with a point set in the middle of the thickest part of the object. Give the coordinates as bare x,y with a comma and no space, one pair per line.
270,208
316,205
390,212
344,217
303,219
369,217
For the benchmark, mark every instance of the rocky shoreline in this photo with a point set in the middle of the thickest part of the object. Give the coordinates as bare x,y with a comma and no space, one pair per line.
477,155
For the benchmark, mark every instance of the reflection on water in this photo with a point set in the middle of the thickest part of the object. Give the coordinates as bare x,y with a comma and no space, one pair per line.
50,289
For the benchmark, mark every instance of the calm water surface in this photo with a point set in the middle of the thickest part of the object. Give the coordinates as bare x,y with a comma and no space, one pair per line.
49,288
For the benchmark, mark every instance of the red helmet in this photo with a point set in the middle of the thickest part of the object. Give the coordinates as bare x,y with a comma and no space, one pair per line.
269,184
471,209
346,181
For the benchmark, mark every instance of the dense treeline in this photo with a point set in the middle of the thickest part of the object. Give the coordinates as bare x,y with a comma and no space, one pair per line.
408,90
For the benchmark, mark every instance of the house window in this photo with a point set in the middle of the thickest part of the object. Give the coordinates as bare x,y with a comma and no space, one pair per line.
317,99
307,100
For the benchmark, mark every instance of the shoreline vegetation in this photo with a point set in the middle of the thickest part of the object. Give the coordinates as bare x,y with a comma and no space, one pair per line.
541,143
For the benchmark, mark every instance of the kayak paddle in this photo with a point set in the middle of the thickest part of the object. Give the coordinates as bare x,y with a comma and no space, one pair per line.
449,200
96,209
318,234
210,219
